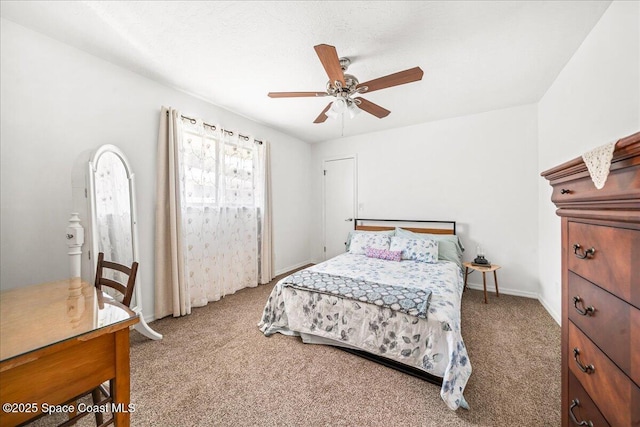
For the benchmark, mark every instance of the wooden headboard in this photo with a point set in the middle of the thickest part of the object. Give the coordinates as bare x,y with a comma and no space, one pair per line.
430,227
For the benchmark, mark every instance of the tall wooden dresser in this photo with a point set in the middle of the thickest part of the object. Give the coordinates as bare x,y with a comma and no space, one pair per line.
600,289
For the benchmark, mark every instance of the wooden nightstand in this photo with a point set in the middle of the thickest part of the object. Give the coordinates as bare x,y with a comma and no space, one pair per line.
484,270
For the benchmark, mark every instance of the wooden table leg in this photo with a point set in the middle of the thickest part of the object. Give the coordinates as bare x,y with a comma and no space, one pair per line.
495,278
121,383
466,274
484,283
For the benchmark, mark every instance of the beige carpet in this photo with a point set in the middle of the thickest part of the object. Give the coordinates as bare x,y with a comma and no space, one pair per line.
215,368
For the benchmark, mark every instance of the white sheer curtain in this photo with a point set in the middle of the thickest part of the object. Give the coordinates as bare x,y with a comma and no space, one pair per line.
225,228
220,211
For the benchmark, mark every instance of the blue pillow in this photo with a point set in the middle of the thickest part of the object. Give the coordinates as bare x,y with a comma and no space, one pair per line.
450,247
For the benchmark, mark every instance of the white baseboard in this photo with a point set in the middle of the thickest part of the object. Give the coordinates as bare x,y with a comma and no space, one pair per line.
551,311
149,317
519,293
506,291
292,267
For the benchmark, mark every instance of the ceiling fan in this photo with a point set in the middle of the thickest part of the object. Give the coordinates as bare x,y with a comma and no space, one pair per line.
344,87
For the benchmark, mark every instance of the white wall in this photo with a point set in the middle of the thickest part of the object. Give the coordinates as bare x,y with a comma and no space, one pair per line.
478,170
57,102
594,100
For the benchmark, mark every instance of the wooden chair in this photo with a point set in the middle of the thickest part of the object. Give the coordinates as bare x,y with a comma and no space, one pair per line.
127,291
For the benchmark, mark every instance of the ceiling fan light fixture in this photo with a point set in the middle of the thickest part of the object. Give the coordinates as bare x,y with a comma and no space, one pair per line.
331,114
339,105
353,110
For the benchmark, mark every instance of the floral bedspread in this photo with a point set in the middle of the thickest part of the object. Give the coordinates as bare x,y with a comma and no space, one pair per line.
433,344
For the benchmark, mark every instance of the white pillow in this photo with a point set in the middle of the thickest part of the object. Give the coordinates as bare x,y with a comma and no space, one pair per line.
354,232
360,242
423,250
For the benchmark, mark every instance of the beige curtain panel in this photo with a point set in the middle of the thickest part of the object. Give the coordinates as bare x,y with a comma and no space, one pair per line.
266,251
171,294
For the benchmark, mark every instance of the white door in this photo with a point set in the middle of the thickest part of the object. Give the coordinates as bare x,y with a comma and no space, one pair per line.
339,204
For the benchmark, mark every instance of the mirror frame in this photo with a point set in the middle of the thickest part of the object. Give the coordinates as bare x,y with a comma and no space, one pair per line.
142,326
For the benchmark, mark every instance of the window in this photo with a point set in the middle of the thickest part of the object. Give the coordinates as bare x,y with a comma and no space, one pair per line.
219,167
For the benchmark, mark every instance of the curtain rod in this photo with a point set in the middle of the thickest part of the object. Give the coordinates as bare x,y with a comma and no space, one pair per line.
213,127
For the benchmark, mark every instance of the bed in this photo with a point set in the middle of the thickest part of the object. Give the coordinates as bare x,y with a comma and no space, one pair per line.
392,297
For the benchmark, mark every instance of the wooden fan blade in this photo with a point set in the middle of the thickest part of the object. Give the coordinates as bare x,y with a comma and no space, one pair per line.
322,117
395,79
331,63
372,108
295,94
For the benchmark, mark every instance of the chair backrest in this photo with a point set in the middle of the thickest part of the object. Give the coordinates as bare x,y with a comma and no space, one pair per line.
125,289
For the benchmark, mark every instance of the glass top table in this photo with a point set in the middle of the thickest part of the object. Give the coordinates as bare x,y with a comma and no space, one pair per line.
37,316
59,340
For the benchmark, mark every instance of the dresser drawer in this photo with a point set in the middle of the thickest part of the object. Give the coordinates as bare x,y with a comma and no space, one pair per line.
615,395
581,407
622,187
615,251
611,323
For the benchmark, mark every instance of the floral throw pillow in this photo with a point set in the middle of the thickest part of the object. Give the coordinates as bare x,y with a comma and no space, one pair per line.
360,242
383,254
423,250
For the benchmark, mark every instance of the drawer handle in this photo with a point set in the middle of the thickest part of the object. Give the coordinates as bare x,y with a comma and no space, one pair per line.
586,254
585,312
574,403
586,369
565,191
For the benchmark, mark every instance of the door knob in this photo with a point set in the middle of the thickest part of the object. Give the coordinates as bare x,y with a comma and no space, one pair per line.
349,219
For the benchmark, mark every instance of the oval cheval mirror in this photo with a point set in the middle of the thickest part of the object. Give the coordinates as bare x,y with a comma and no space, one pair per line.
114,222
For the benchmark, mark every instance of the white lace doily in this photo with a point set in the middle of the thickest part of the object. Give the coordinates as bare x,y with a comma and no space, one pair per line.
598,162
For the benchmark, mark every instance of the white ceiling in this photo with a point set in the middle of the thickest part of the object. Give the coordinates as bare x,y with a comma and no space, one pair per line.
476,56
